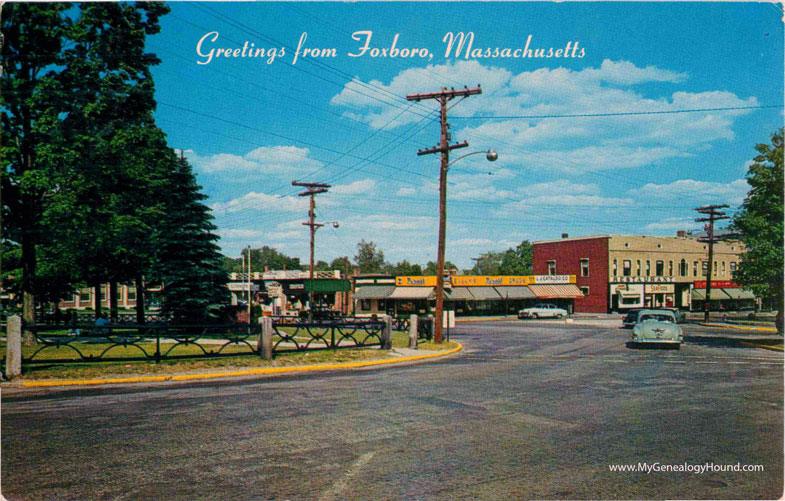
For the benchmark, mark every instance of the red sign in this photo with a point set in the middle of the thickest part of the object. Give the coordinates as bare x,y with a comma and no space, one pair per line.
723,284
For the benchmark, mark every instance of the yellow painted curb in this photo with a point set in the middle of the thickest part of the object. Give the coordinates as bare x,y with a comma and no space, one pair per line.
245,372
743,327
764,346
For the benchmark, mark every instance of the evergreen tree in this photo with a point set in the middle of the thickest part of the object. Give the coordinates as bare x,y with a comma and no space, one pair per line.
188,261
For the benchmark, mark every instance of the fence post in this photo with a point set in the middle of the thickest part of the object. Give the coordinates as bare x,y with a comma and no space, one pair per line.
13,357
387,333
266,339
413,334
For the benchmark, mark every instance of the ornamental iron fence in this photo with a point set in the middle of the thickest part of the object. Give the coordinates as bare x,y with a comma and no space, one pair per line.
293,334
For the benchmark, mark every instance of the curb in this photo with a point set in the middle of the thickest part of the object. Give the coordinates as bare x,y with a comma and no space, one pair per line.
763,346
245,372
485,319
742,327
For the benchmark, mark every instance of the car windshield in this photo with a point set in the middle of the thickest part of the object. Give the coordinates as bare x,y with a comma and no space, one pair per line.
657,318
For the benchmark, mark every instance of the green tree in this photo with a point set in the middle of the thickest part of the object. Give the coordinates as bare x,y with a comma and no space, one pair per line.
31,102
430,267
261,259
518,260
404,268
343,264
759,223
368,258
188,261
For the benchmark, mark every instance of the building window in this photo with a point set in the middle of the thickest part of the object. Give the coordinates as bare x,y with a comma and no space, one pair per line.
585,291
627,268
132,293
103,293
704,267
84,294
732,267
638,267
715,267
584,267
660,268
648,268
723,268
551,267
615,268
683,268
381,304
670,268
365,304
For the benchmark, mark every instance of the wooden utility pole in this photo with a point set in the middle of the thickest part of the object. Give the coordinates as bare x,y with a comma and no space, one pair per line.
313,189
714,215
443,97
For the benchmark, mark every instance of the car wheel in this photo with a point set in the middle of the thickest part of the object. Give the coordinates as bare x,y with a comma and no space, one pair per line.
559,316
534,316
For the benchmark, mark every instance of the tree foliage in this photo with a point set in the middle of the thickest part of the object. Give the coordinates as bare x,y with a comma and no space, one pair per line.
263,258
759,223
513,261
368,258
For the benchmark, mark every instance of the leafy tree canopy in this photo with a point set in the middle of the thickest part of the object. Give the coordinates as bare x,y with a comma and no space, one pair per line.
369,259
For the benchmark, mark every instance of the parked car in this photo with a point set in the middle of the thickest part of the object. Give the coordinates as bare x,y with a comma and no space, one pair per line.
657,326
543,311
681,317
631,318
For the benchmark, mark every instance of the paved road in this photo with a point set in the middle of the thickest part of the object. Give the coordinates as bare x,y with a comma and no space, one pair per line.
528,410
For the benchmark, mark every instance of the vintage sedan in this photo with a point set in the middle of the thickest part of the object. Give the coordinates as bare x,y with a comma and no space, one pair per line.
543,311
658,327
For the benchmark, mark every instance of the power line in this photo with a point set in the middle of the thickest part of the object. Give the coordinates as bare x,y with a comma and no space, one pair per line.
630,113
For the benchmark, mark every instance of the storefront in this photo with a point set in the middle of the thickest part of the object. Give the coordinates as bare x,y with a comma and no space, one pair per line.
725,296
646,292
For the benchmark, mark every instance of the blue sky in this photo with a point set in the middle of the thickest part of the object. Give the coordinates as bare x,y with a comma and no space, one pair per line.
250,127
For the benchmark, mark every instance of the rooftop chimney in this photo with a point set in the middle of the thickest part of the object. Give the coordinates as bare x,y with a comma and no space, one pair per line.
681,233
565,235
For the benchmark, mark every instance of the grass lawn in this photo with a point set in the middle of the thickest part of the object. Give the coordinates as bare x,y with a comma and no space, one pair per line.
108,368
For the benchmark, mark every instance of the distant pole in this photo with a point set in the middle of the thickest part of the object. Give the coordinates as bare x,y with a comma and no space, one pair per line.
714,215
249,285
443,97
313,189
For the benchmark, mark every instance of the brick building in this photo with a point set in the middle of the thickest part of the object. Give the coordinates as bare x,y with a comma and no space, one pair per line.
618,272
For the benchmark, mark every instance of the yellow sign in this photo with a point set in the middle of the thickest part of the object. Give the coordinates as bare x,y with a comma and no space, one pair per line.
429,281
489,281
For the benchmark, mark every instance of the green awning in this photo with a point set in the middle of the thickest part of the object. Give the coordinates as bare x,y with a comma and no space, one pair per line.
373,291
458,293
512,292
327,285
485,293
716,295
736,293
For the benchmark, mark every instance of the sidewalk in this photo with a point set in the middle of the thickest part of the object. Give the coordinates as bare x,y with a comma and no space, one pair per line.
399,356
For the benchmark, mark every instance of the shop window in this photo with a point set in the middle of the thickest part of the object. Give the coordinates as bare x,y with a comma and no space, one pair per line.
584,267
638,267
365,304
627,267
551,267
683,268
585,291
670,268
660,268
628,300
381,304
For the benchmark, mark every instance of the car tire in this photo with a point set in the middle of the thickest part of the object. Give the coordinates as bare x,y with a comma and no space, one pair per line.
535,316
559,316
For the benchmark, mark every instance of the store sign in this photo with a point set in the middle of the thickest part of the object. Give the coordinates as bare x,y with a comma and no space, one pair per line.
488,281
552,279
429,281
660,288
641,280
240,286
723,284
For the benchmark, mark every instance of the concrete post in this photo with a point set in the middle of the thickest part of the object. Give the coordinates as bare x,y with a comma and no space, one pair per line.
267,339
413,332
387,333
13,357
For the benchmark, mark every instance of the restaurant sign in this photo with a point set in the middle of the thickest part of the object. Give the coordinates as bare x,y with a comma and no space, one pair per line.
723,284
643,280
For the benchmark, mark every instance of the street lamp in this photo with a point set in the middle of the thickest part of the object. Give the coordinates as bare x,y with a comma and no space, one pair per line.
491,156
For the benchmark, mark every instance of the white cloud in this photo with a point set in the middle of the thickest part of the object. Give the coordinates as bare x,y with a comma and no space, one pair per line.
731,193
364,186
405,192
261,201
276,160
671,224
237,234
473,242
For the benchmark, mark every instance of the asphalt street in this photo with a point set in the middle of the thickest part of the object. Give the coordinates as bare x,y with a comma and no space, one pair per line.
527,410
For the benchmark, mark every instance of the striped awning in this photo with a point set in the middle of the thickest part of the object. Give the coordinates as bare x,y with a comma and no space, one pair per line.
373,291
561,291
716,294
411,293
735,293
484,293
458,293
509,292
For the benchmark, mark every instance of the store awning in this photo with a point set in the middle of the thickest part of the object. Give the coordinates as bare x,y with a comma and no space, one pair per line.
411,293
327,285
716,294
562,291
736,293
485,293
373,291
509,292
458,293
